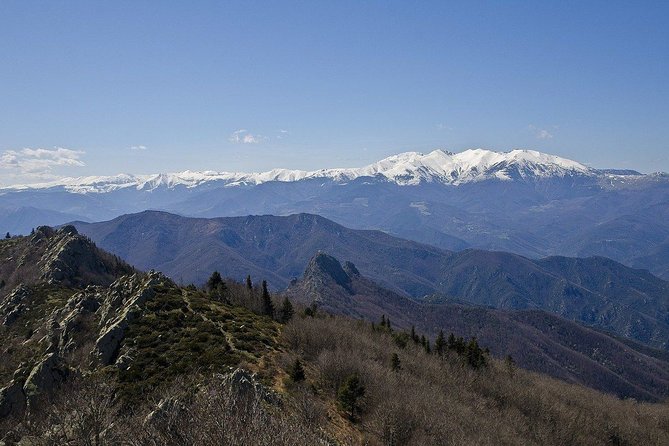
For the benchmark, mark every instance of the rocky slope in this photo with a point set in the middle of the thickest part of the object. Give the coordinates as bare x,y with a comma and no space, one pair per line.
70,309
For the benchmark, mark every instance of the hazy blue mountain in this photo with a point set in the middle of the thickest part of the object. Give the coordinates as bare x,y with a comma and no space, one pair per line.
595,290
524,202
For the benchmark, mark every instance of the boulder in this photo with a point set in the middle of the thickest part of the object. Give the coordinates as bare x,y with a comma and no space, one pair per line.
12,400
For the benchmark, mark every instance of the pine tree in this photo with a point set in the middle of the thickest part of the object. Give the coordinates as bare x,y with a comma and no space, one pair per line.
32,231
296,372
395,364
267,305
451,342
249,283
388,324
215,286
414,336
474,354
440,343
383,320
287,310
7,235
428,350
349,395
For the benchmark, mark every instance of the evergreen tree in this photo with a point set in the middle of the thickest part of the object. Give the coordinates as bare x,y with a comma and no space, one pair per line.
349,395
383,320
2,283
388,324
7,235
249,283
474,354
287,310
423,340
296,372
440,343
267,305
215,286
395,364
428,350
451,342
414,336
32,231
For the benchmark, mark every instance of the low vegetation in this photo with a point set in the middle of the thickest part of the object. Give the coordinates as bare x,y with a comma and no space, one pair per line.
230,364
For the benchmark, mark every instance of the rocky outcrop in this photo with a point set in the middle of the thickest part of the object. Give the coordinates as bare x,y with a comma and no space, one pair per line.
48,374
324,268
15,304
12,400
123,304
245,384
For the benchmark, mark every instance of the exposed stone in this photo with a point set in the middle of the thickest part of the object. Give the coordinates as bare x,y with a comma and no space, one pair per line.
13,305
123,303
12,400
45,376
245,384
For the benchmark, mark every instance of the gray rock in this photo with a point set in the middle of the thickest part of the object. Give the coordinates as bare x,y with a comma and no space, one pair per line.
12,400
45,376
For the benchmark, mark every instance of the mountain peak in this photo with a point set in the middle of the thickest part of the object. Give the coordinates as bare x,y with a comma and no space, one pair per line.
408,168
323,267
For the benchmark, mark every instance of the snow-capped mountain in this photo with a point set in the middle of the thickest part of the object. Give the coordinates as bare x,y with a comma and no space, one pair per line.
521,201
410,168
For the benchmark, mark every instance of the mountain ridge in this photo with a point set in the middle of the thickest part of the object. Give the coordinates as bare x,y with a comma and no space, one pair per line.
537,340
408,168
596,291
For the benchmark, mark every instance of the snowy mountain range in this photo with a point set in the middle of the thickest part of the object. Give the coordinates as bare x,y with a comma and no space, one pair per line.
410,168
522,201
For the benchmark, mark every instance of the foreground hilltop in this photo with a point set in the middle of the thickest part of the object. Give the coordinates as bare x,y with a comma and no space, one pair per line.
142,360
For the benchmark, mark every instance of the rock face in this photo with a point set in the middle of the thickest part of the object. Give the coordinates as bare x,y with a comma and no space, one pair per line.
49,373
122,304
14,305
12,400
323,267
246,385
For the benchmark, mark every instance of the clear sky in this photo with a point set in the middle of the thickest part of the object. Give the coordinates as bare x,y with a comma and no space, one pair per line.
95,87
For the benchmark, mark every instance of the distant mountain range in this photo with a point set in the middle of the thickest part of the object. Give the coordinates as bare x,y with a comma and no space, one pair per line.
596,291
537,340
521,201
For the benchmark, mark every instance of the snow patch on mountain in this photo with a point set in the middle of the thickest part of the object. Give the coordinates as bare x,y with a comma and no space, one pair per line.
410,168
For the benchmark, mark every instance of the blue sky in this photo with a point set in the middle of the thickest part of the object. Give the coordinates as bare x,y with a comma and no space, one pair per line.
94,87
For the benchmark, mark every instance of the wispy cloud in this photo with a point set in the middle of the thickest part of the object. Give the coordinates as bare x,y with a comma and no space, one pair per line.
541,133
442,126
282,134
242,136
37,164
139,147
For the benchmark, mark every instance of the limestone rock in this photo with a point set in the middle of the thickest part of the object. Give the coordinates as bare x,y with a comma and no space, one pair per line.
12,400
45,376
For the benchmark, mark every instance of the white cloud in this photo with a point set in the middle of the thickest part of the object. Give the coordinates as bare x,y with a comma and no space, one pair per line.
542,133
35,161
242,136
139,147
28,164
442,126
282,134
